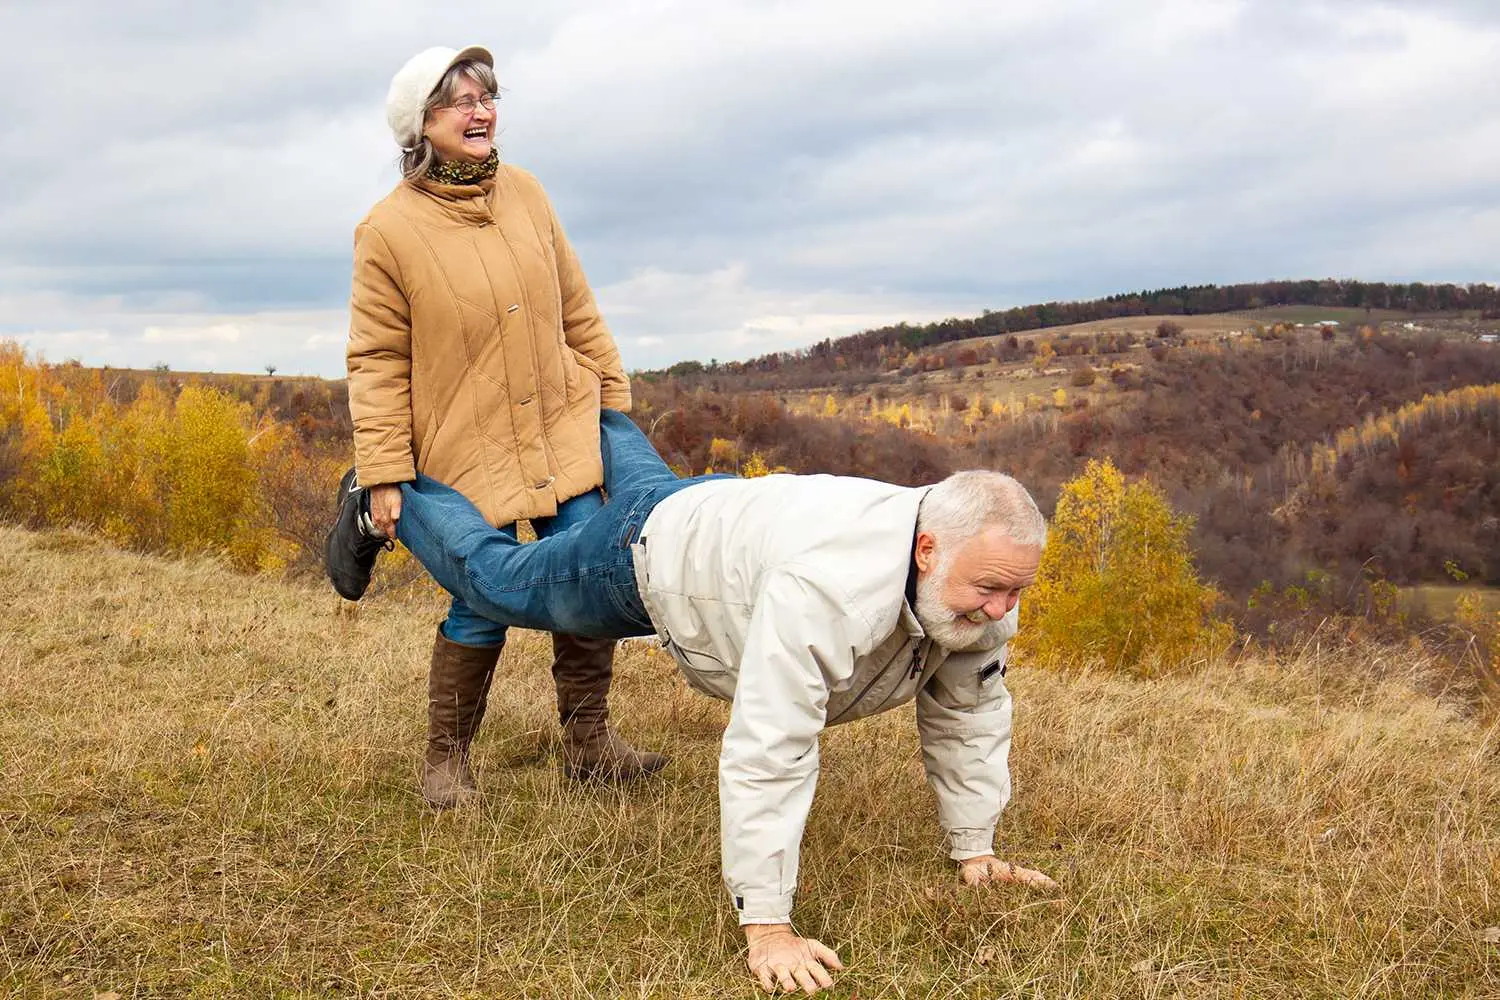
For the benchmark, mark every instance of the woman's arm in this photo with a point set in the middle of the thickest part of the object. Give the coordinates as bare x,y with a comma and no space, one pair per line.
379,357
583,328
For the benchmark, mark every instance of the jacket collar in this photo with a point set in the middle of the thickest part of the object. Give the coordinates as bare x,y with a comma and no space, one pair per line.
469,203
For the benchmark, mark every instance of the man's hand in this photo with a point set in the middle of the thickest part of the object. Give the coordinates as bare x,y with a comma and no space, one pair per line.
778,957
385,508
988,869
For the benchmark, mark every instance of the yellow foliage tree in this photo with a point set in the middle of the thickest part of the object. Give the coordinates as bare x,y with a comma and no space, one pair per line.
723,454
1117,587
756,466
212,494
974,415
1045,352
26,433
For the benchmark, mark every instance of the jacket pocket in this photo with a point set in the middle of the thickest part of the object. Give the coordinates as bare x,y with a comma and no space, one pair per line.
422,448
704,672
570,365
585,384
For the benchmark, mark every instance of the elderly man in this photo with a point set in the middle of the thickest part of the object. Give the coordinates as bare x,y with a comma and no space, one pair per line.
806,601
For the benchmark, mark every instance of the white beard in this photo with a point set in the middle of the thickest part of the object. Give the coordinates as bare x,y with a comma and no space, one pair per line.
944,626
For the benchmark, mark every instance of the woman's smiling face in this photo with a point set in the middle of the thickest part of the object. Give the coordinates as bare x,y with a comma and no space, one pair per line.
464,136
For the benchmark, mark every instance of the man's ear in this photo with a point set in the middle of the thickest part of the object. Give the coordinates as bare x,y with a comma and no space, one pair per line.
925,552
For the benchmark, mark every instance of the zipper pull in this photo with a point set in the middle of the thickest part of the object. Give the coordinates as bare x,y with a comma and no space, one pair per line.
916,660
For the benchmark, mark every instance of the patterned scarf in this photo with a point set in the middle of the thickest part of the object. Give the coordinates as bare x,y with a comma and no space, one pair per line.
460,172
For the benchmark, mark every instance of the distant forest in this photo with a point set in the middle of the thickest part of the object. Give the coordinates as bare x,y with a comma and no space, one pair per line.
864,349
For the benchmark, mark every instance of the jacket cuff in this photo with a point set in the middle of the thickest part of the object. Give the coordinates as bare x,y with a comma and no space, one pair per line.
386,473
966,844
611,398
763,909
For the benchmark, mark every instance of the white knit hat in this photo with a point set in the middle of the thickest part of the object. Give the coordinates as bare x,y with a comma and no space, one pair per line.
415,82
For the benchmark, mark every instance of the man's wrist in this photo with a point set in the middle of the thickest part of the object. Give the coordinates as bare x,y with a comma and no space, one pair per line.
757,932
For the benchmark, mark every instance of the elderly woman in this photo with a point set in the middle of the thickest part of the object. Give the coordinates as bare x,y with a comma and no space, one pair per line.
478,357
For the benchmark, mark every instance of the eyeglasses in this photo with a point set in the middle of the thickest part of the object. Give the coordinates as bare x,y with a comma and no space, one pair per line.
468,104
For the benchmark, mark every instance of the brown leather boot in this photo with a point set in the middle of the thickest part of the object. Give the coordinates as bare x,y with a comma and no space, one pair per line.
582,669
457,686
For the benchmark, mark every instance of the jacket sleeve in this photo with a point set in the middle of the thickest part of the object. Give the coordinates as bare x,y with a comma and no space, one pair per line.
963,718
803,639
583,328
379,358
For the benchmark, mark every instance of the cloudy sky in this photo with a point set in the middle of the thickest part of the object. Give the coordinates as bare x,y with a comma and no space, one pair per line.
179,182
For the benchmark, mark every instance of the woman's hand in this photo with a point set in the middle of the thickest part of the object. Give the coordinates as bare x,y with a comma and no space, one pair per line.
385,508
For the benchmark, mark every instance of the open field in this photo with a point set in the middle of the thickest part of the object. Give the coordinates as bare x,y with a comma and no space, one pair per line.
1439,600
1210,323
208,791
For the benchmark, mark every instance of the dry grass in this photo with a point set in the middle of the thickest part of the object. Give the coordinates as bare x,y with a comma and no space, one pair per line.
208,791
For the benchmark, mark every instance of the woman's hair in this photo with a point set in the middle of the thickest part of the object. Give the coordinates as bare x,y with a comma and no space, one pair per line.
415,162
966,503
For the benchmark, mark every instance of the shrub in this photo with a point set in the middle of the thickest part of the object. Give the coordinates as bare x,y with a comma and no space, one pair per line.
1117,587
1083,377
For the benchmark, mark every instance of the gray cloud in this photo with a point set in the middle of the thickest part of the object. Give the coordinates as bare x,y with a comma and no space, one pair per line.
741,177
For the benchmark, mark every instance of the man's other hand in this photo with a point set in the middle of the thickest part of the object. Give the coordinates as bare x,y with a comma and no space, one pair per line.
779,958
988,869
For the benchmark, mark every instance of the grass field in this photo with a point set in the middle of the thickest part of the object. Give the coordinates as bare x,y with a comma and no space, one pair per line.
1439,600
1204,324
208,791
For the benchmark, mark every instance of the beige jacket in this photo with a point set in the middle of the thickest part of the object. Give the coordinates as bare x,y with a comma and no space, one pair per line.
786,595
476,353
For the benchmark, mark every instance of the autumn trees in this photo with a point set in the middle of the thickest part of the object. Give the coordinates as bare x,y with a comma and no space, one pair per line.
188,472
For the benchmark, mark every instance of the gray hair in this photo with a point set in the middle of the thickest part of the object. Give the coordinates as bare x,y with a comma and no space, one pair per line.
966,503
415,162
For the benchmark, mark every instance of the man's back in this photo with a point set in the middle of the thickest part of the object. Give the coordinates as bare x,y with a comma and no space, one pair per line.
708,553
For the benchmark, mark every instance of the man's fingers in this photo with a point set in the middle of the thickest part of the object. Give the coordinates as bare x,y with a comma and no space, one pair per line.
784,977
806,980
1028,876
824,954
767,978
1037,880
985,870
820,975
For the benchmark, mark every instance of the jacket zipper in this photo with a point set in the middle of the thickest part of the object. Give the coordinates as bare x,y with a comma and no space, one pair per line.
916,654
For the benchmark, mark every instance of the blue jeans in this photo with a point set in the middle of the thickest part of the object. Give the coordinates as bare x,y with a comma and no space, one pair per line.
578,579
469,628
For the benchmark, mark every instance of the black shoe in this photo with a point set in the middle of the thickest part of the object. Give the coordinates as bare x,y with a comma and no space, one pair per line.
349,555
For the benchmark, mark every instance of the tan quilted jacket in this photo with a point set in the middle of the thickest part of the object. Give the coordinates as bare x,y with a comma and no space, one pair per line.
476,353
